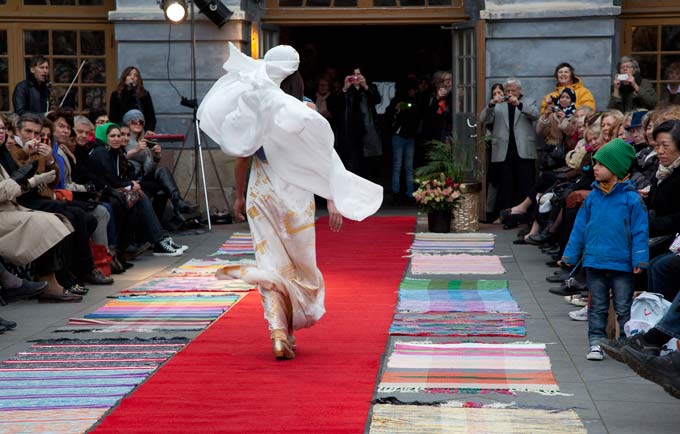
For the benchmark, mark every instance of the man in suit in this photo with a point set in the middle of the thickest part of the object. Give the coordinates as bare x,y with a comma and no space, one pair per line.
513,150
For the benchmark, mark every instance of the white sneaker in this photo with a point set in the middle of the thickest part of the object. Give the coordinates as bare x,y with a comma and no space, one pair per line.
578,300
183,248
595,353
579,315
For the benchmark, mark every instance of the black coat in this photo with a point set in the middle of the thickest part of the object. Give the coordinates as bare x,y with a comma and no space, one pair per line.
31,97
127,100
109,165
664,206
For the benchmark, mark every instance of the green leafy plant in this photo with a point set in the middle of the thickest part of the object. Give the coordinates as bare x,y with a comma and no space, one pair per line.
448,157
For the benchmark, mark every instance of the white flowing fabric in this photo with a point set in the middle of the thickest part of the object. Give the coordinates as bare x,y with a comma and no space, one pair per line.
246,110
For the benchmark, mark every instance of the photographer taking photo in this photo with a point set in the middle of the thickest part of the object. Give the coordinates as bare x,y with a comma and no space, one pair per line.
630,91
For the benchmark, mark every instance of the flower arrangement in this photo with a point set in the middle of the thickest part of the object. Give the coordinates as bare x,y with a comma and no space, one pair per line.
437,193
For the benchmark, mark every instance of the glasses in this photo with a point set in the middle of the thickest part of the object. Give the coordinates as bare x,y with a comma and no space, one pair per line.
137,122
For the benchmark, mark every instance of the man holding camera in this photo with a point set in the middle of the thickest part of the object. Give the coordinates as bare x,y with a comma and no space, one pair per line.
513,147
630,91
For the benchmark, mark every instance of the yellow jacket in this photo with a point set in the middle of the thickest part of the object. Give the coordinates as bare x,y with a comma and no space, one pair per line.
583,95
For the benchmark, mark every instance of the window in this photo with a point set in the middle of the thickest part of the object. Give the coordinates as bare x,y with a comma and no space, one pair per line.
657,49
4,73
69,51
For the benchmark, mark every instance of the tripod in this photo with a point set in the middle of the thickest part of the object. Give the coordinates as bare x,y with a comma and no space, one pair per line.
198,147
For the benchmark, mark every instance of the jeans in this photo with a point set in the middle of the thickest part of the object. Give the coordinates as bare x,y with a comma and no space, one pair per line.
111,229
143,210
402,152
664,274
599,284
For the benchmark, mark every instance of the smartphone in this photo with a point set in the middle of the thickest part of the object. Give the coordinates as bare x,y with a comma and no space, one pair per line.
622,77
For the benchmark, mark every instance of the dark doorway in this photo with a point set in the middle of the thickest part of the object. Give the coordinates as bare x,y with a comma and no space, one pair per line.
385,53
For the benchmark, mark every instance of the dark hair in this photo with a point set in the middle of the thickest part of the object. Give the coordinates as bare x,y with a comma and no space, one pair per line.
497,86
37,60
122,85
94,114
571,69
65,113
294,85
671,127
28,117
47,123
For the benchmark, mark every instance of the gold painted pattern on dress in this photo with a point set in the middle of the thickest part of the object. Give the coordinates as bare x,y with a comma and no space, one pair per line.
253,212
261,246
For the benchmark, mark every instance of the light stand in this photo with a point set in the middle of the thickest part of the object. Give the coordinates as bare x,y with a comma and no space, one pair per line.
175,11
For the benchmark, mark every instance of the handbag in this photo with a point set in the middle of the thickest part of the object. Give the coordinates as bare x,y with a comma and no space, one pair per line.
675,245
131,197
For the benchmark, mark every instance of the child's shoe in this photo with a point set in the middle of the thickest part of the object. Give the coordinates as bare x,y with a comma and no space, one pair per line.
595,353
579,315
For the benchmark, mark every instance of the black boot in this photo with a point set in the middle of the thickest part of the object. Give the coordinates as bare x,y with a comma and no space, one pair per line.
164,177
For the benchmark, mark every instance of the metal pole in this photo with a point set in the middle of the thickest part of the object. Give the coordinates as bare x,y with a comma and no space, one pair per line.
198,152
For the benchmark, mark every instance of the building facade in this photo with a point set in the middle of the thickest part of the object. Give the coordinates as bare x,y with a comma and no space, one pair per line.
490,41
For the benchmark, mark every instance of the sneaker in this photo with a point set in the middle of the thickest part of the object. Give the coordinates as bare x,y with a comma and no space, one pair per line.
164,248
595,353
176,246
579,315
614,348
578,300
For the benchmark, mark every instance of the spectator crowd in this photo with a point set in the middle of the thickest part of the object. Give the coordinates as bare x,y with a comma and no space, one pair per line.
598,192
80,197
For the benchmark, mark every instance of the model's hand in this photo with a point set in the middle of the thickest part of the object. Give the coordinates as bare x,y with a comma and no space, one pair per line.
335,218
240,209
637,270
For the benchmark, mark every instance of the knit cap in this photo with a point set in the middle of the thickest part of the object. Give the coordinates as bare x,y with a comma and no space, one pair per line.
132,115
617,156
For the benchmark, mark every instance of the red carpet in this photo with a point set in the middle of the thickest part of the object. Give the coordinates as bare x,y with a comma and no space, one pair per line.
227,380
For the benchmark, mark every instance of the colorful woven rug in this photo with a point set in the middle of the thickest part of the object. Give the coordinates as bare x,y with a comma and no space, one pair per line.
464,242
456,264
146,314
411,283
426,419
171,286
65,386
428,367
240,243
203,267
488,300
458,324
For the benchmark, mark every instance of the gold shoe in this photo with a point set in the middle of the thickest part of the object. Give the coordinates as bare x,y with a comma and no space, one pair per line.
280,345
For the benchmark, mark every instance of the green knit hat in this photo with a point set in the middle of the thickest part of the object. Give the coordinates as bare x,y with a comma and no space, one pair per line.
617,156
102,131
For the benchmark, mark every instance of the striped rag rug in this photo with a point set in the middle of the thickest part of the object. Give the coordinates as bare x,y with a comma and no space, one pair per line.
203,267
488,300
65,386
464,242
422,263
458,324
468,367
411,283
426,419
239,243
146,314
183,286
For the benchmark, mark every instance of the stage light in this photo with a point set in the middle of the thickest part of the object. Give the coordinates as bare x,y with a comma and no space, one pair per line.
175,10
215,10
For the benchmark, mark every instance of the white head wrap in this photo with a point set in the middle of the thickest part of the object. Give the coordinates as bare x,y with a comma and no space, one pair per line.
281,61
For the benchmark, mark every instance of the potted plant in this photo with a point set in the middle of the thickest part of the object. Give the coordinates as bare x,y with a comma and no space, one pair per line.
460,163
437,196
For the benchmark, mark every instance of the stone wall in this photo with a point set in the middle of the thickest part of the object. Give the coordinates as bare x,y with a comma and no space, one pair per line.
527,39
142,35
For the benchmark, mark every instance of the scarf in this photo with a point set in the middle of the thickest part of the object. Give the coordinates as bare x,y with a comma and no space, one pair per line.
571,108
607,187
664,172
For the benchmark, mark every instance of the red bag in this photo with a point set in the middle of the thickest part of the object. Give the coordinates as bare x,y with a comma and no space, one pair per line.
102,259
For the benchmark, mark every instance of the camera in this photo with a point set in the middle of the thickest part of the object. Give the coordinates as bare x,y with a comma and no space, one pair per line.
622,77
555,108
353,79
506,98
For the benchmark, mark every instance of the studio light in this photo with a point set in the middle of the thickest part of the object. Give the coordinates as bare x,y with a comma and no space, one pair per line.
175,10
215,10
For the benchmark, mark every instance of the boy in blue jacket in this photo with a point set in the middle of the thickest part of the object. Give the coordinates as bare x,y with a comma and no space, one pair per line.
611,232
